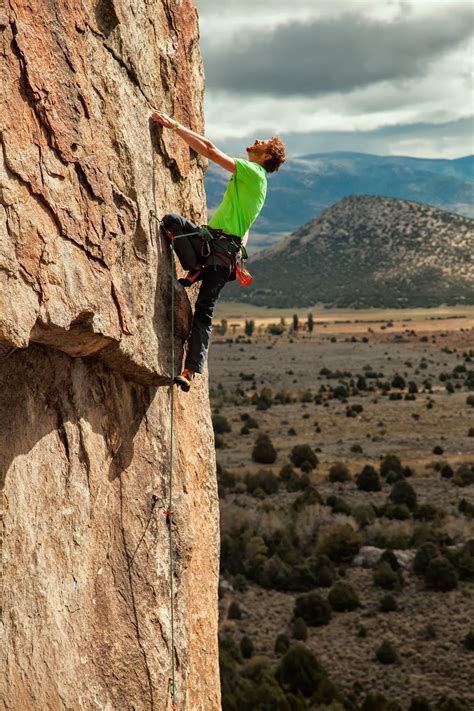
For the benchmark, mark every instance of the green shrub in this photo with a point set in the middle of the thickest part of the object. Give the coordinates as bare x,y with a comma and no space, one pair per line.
249,327
303,453
386,578
282,644
452,703
368,479
232,554
465,507
441,575
364,514
309,497
339,472
468,641
225,479
275,574
261,690
463,560
246,647
342,597
425,532
338,505
446,471
388,556
228,645
426,512
255,557
220,424
403,493
339,542
300,672
424,555
390,463
398,382
399,512
388,604
234,612
300,629
263,479
291,478
386,653
375,701
275,329
323,570
420,703
306,467
264,452
219,442
464,475
314,609
340,392
430,632
240,583
265,396
392,477
301,578
387,537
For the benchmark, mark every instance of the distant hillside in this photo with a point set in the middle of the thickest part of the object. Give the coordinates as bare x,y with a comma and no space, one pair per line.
367,252
306,186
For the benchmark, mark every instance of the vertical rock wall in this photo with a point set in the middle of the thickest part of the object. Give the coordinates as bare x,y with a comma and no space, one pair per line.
84,353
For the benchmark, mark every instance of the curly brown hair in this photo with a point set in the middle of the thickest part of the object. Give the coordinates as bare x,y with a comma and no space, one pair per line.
276,148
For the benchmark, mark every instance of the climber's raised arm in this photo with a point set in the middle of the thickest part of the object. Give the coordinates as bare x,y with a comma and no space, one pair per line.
198,143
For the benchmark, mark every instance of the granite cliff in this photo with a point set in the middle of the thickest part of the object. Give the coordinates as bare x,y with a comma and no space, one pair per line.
85,358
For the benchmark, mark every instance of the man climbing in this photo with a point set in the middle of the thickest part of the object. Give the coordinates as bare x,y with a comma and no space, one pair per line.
210,254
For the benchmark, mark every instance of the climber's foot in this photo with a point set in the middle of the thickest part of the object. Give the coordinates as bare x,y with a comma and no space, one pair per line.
184,380
192,276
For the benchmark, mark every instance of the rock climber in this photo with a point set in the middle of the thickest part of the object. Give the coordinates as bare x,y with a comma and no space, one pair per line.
212,255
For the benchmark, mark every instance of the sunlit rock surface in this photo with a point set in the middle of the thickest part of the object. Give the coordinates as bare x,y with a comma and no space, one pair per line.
84,348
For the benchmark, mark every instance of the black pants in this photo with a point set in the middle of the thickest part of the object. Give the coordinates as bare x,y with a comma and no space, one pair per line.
214,278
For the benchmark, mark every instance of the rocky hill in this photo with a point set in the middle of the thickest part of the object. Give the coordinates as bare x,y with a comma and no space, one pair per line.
368,252
85,442
307,185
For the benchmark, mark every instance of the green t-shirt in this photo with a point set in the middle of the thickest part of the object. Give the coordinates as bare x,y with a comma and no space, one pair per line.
243,199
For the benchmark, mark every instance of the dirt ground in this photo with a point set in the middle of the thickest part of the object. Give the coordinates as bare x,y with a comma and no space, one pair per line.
420,347
414,350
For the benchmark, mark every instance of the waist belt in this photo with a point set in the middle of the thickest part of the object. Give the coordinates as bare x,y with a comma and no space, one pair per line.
218,234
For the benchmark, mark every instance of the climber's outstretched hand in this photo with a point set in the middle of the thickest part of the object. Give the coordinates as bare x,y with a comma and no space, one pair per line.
198,143
162,119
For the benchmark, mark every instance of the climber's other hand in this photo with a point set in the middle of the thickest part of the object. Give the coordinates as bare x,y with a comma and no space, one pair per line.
162,119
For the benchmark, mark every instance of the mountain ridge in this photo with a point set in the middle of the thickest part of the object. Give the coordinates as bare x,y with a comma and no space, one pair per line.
368,251
307,185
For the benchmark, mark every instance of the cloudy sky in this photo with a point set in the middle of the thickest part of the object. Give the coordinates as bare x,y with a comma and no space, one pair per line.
393,77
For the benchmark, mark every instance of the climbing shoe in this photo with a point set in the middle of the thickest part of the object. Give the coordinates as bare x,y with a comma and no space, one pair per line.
191,277
184,380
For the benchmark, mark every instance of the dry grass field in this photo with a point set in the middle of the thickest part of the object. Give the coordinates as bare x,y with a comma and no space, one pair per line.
434,426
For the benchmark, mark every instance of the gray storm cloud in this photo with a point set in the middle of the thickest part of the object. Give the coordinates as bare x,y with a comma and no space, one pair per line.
331,54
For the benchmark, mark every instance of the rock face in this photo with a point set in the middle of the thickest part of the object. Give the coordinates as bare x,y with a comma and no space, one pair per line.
85,439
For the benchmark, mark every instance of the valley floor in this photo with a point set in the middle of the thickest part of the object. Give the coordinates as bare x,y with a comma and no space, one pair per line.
362,352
